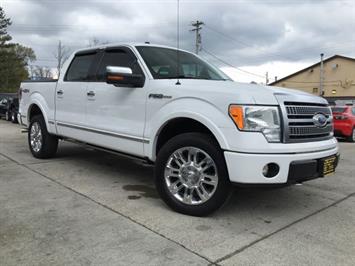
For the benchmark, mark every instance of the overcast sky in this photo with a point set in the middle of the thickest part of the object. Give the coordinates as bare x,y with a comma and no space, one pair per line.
255,35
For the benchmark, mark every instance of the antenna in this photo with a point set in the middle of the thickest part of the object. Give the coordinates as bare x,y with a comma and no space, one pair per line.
178,42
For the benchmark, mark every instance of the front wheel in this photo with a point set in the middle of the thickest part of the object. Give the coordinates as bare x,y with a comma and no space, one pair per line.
191,174
42,144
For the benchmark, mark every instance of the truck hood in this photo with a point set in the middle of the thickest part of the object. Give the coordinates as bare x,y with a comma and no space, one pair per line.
243,93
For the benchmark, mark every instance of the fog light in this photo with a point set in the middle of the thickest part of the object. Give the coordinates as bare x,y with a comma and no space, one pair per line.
271,170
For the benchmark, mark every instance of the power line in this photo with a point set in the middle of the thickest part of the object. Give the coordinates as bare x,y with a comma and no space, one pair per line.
243,43
229,64
247,45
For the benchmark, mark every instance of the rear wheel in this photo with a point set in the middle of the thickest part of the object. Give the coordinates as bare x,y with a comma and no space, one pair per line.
352,136
13,117
42,144
191,174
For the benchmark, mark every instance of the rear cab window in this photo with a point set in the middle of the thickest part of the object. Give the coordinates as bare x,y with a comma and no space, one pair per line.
80,68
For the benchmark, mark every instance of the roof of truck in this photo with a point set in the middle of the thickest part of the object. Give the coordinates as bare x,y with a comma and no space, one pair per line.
130,44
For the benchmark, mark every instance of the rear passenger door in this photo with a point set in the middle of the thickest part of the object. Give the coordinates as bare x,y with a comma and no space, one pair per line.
71,95
116,115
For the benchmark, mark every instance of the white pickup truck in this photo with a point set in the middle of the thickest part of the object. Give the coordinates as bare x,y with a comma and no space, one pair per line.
202,131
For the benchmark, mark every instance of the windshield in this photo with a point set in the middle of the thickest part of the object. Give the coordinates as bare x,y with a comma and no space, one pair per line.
162,64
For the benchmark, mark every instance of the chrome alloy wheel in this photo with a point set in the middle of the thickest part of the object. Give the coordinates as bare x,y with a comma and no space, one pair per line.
191,175
354,134
36,137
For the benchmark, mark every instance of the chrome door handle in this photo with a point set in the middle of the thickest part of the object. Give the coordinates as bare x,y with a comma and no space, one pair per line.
90,94
60,92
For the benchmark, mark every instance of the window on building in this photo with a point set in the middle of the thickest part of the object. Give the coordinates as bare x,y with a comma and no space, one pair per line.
315,90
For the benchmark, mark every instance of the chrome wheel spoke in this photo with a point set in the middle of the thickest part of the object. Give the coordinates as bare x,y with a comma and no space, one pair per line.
176,187
191,175
179,159
192,155
188,196
172,172
202,193
36,137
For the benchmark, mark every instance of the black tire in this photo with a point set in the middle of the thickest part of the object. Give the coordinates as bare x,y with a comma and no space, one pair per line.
14,118
49,142
208,145
351,138
7,116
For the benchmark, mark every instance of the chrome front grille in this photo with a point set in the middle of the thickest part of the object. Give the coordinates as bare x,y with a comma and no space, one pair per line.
300,125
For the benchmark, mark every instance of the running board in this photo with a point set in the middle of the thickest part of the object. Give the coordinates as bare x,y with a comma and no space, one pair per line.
144,160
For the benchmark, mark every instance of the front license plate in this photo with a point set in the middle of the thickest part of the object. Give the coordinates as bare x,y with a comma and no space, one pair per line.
328,165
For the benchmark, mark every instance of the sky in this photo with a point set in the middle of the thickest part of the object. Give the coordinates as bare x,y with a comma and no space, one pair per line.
245,38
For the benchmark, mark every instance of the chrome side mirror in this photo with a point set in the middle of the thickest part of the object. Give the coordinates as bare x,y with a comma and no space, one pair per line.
124,76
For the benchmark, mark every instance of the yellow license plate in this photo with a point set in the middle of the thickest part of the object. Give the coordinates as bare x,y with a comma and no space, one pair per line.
329,165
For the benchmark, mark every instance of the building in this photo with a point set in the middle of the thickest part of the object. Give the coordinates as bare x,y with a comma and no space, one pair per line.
338,79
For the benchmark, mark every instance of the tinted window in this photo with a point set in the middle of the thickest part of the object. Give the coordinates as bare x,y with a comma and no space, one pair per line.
3,101
79,68
117,57
338,109
353,111
163,64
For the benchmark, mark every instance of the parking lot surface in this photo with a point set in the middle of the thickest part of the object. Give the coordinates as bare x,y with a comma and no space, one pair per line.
86,207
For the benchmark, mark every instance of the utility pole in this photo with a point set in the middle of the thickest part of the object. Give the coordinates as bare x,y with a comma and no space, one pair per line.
197,27
321,76
59,57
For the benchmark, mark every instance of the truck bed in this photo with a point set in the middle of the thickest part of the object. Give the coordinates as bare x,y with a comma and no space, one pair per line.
42,92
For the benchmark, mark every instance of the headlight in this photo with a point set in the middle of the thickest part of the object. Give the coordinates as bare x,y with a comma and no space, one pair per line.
264,119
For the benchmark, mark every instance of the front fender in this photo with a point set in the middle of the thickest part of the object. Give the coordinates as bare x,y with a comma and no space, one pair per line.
199,110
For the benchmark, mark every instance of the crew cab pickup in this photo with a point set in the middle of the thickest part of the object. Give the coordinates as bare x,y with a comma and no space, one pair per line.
202,131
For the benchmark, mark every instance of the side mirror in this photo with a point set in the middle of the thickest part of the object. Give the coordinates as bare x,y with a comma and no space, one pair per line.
124,76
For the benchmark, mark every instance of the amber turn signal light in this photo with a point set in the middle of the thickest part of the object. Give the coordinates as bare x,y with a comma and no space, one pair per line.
236,113
110,77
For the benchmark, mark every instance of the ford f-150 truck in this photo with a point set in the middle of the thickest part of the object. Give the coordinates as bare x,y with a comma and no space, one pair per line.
202,131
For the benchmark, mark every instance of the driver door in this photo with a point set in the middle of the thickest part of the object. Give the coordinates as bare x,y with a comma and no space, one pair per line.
115,114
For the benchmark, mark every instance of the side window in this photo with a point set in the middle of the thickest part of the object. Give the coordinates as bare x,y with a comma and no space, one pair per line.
353,110
79,67
117,57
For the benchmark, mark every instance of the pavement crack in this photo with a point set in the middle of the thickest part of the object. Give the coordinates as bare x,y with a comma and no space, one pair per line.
282,229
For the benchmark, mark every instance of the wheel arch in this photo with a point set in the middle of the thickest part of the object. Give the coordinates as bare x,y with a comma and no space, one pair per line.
36,109
185,124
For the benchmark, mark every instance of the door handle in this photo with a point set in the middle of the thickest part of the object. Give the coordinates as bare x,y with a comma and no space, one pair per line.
90,94
60,92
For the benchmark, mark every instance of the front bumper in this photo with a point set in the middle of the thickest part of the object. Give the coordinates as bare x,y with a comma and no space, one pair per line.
247,168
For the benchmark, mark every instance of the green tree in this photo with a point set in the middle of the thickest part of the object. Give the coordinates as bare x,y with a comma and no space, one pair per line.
14,58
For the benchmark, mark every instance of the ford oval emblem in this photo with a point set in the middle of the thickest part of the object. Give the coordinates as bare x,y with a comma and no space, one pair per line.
320,120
